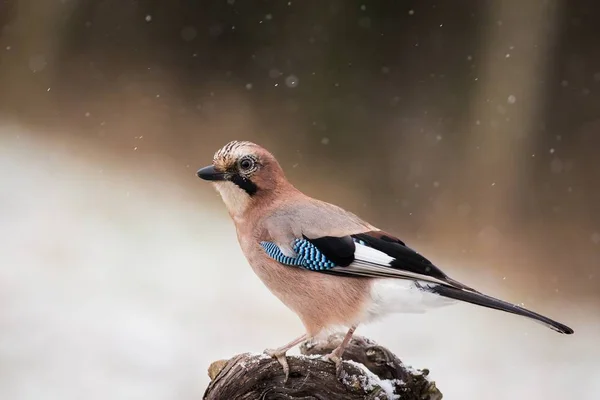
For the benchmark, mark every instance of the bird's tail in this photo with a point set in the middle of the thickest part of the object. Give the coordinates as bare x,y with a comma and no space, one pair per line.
490,302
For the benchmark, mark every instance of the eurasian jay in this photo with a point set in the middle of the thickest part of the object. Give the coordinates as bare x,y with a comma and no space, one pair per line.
324,263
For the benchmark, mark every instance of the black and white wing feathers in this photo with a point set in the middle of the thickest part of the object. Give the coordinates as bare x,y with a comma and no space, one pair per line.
376,254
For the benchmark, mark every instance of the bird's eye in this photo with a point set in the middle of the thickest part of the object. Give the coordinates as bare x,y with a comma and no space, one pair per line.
246,163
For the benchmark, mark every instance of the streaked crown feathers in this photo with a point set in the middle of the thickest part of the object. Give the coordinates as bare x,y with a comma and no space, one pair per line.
229,153
231,149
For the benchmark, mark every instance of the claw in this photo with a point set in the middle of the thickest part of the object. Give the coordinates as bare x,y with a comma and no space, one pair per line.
337,360
280,356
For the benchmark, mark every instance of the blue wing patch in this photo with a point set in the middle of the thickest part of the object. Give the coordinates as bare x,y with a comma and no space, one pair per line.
307,255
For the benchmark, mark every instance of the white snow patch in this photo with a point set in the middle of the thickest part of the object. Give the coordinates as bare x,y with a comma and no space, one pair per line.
370,381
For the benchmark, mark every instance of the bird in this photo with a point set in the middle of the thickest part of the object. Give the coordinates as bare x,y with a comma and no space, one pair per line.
326,264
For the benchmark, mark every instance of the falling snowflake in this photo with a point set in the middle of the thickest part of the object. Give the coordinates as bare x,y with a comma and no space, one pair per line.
291,81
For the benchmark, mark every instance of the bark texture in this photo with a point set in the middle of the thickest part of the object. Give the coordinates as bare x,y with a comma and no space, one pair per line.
370,372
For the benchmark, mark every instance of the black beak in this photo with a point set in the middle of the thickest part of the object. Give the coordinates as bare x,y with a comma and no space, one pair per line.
210,174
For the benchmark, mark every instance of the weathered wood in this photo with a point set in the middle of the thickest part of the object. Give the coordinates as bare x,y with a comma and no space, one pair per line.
370,372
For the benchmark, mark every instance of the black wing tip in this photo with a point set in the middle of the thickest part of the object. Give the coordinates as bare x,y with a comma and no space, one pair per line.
565,330
481,299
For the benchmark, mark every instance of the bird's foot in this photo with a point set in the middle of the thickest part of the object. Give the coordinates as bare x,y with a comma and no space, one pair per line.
337,360
280,356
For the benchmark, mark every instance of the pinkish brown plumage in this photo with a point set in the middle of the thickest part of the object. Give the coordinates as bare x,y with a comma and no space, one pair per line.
375,274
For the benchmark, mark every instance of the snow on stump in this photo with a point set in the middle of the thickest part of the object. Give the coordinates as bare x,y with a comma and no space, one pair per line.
370,372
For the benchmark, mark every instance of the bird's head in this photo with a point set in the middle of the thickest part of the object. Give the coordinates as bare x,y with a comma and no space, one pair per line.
242,172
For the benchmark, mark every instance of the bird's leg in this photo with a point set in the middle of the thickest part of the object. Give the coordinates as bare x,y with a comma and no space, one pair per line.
336,355
279,354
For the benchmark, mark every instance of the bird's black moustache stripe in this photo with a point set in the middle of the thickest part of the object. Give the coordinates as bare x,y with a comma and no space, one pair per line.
245,184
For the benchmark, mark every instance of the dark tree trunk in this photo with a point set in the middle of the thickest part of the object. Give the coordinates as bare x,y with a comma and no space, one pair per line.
370,372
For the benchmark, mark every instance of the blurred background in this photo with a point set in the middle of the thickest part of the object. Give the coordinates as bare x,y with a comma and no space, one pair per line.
470,129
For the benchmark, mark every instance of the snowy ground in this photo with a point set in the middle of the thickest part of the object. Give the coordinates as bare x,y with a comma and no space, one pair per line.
112,287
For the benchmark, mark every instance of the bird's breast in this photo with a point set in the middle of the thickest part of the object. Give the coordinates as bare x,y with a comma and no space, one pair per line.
320,300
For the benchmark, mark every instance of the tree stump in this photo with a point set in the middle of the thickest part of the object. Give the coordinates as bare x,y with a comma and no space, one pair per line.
370,372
